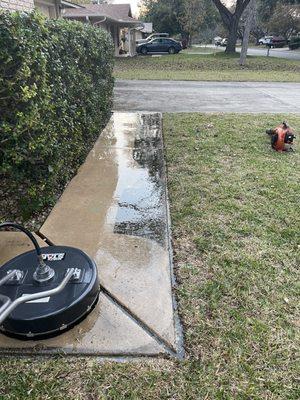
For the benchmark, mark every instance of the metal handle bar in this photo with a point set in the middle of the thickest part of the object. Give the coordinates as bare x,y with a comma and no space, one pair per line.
10,275
6,302
35,296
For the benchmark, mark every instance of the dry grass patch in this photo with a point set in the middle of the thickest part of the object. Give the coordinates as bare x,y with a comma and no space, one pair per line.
208,67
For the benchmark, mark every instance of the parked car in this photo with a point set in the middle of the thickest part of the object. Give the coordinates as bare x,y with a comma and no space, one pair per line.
217,41
224,42
151,37
265,40
278,41
160,45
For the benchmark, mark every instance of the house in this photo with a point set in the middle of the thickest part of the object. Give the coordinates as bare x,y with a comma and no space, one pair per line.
117,19
144,32
51,8
114,18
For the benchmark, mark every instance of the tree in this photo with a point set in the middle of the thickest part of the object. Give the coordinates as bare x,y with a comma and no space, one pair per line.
284,21
258,27
248,26
185,17
266,8
191,18
164,14
231,21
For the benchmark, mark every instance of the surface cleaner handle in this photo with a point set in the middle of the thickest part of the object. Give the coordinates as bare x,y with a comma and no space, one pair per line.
9,276
9,305
6,301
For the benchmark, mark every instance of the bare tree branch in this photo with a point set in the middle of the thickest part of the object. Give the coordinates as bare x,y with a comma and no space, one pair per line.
231,20
224,12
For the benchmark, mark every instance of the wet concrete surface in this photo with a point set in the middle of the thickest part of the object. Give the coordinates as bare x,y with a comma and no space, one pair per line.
141,204
140,210
190,96
106,331
115,209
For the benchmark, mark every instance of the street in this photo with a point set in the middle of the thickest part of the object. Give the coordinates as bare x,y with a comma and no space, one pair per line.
280,53
191,96
261,52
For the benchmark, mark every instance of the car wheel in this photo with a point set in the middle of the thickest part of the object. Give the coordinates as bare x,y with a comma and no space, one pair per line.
144,50
171,50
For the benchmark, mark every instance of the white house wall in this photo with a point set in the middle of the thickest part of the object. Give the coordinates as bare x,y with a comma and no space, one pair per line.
49,8
17,5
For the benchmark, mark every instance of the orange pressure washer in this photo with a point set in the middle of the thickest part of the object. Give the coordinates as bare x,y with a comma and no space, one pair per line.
282,137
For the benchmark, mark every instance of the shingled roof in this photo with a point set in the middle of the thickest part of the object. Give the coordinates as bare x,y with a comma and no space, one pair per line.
115,12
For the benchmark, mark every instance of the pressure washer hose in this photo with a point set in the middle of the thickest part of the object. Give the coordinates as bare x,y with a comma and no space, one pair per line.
24,230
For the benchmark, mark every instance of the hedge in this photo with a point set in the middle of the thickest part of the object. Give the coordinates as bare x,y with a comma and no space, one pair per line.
294,43
55,95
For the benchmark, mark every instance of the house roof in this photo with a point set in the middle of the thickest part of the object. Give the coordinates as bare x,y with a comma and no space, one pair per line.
115,12
69,4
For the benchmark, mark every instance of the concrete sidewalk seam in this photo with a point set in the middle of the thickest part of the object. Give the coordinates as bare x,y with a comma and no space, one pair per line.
160,340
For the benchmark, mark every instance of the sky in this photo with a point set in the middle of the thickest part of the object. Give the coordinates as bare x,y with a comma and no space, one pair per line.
133,3
135,9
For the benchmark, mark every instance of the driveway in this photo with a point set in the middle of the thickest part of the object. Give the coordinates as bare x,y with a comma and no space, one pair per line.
190,96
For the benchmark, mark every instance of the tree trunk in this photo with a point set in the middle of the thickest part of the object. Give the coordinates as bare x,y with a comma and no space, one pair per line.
247,31
231,21
232,37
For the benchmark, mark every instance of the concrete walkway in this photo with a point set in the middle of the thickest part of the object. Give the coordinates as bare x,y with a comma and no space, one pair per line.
187,96
115,209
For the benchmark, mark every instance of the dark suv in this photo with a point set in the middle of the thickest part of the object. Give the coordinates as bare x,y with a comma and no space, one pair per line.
160,45
151,37
277,41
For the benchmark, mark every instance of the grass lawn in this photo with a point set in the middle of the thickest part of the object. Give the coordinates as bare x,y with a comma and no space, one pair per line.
236,241
207,67
202,50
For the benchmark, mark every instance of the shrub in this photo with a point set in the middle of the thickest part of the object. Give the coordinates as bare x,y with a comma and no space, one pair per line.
55,95
294,43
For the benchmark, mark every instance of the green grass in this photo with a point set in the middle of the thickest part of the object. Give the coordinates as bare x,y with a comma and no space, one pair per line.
202,50
236,241
216,67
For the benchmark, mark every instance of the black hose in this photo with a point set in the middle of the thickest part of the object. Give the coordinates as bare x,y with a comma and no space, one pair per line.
24,230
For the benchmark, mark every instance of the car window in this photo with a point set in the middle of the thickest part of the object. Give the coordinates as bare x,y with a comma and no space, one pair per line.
158,35
166,41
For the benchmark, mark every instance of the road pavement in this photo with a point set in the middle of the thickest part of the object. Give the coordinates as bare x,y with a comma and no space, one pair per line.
191,96
280,53
262,51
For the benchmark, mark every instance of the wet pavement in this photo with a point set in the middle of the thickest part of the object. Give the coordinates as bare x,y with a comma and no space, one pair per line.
115,209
